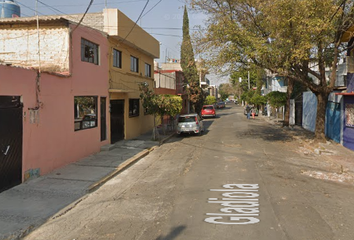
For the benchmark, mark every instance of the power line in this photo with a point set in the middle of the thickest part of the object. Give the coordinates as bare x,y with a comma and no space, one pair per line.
88,7
152,8
147,2
168,35
53,8
95,4
29,8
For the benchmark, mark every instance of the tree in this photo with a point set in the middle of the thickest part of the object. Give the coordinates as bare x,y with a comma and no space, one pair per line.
210,100
225,90
258,100
285,37
195,93
159,105
277,99
150,103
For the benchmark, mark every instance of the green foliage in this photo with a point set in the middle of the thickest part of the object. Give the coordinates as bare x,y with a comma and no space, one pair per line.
195,93
285,37
149,99
210,100
247,96
171,105
277,99
258,100
159,104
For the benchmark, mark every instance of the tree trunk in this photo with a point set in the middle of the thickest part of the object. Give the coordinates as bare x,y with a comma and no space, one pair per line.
322,99
287,107
155,131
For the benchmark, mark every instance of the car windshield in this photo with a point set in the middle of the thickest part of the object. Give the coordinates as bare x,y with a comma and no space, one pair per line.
208,107
186,119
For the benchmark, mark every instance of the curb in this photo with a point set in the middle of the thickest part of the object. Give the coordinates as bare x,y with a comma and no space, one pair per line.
166,139
91,188
125,165
120,168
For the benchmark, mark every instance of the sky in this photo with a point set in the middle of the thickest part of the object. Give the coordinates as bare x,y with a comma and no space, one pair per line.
163,19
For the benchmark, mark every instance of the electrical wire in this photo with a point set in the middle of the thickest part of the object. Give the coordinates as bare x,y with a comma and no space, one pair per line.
152,8
95,4
29,8
168,35
51,7
147,2
88,7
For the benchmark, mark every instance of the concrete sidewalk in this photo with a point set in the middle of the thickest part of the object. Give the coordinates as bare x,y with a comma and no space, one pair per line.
30,204
334,157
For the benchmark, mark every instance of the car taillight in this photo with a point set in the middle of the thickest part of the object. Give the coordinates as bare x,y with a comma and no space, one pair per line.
196,121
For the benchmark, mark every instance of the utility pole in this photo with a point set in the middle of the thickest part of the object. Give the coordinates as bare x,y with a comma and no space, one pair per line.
249,83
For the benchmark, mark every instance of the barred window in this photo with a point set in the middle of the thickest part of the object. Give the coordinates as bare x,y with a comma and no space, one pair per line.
147,70
89,51
117,58
133,107
134,64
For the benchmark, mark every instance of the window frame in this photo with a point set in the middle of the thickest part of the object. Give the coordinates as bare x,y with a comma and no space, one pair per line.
147,70
85,45
134,104
134,64
79,122
117,58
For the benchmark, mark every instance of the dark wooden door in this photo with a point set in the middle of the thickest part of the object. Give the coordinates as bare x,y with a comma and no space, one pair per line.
117,120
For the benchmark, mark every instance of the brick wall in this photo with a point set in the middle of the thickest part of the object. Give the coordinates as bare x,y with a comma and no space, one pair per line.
19,47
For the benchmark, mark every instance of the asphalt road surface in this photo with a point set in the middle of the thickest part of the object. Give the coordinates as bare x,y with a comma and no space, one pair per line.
242,179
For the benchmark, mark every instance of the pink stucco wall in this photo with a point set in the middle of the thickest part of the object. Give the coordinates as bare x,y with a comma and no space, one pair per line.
53,143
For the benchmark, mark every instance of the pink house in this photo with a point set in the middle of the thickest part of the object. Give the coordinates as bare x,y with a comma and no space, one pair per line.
53,95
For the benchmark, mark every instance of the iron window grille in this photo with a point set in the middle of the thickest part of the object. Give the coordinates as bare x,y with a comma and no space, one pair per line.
89,51
134,64
134,107
147,70
117,58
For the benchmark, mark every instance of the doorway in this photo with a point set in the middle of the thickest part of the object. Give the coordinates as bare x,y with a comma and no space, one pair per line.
11,130
117,120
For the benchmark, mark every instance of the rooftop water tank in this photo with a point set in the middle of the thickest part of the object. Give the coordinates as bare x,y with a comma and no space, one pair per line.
9,9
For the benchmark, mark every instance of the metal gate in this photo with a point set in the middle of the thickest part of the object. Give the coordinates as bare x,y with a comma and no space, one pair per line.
298,110
10,142
333,121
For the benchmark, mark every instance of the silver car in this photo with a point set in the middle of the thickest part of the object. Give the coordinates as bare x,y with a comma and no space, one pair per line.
190,123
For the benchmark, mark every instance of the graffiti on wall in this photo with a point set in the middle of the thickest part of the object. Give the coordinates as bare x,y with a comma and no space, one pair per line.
349,114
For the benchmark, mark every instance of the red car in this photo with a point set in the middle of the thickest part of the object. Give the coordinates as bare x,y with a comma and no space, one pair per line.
208,111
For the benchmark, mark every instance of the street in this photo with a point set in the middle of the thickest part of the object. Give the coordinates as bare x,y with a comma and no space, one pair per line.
242,179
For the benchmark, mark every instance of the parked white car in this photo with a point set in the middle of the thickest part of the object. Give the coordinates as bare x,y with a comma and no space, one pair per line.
190,123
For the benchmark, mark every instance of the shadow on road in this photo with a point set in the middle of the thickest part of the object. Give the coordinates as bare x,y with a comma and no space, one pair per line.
273,133
173,234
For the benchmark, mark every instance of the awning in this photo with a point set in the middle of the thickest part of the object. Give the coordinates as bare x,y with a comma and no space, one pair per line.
346,94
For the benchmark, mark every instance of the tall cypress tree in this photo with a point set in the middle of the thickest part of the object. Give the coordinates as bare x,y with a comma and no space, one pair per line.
195,93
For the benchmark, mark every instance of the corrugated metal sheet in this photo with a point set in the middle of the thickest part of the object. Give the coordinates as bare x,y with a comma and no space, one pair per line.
32,19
